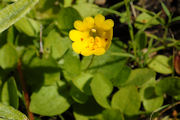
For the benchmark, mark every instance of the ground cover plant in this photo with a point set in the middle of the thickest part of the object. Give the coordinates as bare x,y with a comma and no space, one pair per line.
89,60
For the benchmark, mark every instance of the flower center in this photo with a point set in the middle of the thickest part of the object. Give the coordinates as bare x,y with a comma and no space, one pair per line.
93,32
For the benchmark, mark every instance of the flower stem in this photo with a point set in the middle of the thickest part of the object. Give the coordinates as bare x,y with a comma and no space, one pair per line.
91,61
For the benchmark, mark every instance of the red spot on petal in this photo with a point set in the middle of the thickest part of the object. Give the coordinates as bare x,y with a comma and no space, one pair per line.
82,39
106,39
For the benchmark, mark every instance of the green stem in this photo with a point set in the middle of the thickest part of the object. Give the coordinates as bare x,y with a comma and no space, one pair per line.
163,47
118,5
91,61
130,26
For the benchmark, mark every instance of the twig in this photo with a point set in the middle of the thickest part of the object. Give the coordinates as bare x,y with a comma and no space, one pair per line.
133,9
23,85
171,106
41,51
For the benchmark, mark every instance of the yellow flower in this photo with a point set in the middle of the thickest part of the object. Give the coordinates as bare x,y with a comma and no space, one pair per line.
92,35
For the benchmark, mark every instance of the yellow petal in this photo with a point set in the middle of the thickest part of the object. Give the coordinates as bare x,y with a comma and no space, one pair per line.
99,20
79,25
89,22
99,51
100,42
108,24
77,47
75,35
86,52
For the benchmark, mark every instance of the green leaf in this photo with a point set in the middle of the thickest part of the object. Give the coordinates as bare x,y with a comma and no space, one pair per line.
141,40
101,89
127,100
144,18
70,63
66,18
56,45
87,9
67,3
165,9
9,56
122,77
9,93
28,26
176,19
82,82
150,100
14,12
46,9
9,113
169,85
10,35
112,114
49,101
160,64
41,72
77,95
140,76
81,112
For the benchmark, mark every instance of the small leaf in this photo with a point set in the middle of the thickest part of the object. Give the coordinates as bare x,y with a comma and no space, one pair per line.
98,84
56,45
9,56
41,72
112,114
9,113
127,100
82,82
28,26
144,18
141,40
66,18
81,112
165,9
176,19
70,64
14,12
150,100
48,101
67,3
160,64
77,95
87,9
9,93
169,85
123,76
140,76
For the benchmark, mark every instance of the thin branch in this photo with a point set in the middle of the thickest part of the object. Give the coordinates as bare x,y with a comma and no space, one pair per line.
133,9
23,85
168,108
41,51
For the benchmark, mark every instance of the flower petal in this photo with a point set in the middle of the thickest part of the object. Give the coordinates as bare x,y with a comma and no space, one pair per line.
77,46
87,52
75,35
99,51
99,20
79,25
89,22
108,24
100,42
